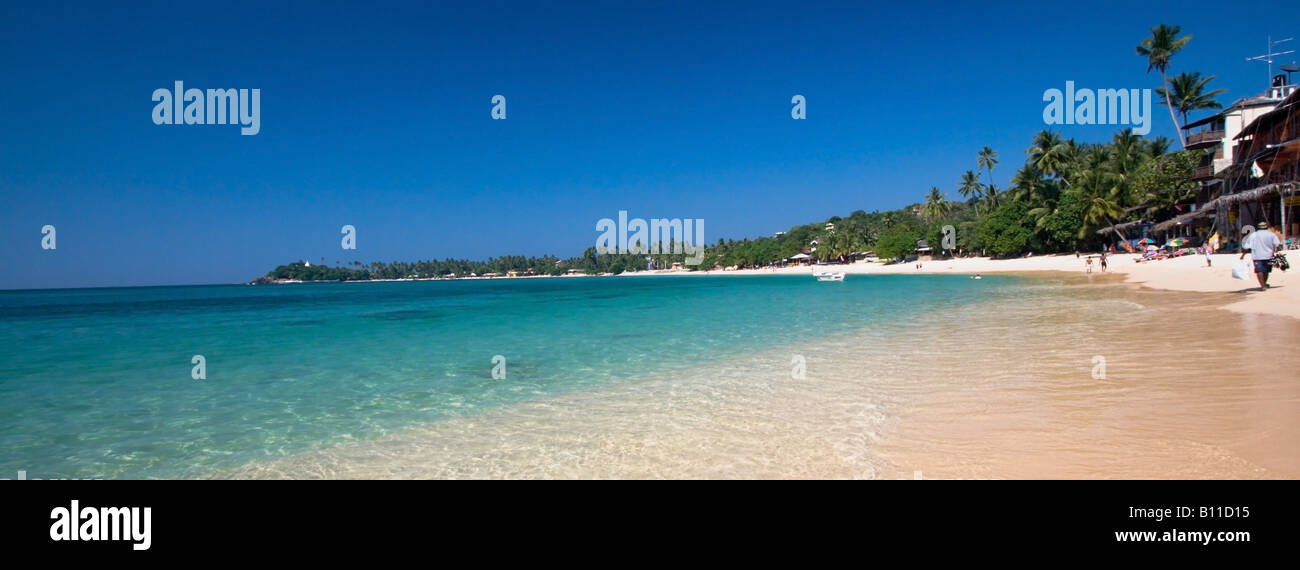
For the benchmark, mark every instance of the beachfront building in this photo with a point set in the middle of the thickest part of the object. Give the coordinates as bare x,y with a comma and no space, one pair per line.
923,251
1229,189
1266,170
1215,136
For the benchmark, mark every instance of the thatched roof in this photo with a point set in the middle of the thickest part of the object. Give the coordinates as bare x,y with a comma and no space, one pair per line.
1254,194
1120,227
1176,220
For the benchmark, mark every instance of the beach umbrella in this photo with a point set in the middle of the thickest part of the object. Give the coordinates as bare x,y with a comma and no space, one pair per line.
1146,240
1177,242
1151,248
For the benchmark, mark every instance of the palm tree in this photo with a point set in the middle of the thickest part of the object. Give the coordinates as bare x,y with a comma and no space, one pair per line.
987,159
1187,91
1050,155
1157,147
970,185
936,206
1099,201
1126,154
991,198
1159,49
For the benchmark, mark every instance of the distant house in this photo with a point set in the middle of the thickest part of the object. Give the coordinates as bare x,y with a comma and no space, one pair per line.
800,258
923,251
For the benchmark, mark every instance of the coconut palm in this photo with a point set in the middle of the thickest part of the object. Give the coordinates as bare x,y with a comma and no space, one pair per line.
1100,204
970,185
1050,155
1025,182
1157,147
1127,153
936,206
987,159
1159,49
992,199
1187,91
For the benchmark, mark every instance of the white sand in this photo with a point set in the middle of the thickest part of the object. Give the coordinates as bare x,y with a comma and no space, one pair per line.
1187,273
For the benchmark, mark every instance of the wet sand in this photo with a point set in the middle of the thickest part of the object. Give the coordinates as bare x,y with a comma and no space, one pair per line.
1186,394
1007,388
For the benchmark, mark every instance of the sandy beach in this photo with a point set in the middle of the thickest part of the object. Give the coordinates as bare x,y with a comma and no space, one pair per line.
1187,273
1004,388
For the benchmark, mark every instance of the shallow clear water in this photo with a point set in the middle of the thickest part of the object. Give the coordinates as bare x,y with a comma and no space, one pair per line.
96,383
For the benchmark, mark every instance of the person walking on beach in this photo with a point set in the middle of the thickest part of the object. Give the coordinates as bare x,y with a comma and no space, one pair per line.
1088,264
1103,261
1261,244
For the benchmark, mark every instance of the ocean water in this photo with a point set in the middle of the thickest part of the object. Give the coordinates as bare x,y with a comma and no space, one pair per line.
904,376
96,383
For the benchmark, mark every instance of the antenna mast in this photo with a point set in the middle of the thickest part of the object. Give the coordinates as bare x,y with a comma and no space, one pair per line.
1269,53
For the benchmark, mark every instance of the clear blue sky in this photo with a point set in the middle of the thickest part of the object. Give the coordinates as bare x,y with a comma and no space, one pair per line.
378,116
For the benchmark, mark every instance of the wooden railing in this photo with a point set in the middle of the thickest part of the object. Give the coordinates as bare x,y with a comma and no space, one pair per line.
1205,136
1203,172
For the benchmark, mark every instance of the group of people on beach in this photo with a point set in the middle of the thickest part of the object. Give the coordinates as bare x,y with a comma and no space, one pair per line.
1263,245
1087,263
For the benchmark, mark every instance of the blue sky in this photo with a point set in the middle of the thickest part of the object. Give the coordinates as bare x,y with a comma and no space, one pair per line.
378,116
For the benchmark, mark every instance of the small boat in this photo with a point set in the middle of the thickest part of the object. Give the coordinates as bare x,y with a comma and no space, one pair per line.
829,276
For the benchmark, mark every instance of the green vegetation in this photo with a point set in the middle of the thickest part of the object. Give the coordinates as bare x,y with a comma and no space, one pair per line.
1008,230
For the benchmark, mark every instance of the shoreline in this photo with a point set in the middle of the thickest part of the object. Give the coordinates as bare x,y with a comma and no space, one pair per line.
1187,273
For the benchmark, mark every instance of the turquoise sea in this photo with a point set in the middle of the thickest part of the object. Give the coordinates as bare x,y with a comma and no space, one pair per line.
96,383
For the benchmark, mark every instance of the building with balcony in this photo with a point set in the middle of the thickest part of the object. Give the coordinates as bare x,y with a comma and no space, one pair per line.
1215,134
1264,179
1233,140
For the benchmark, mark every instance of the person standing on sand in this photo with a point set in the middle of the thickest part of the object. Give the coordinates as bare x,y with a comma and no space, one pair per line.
1103,261
1261,244
1088,264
